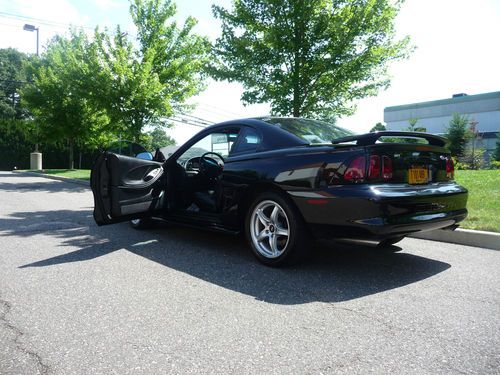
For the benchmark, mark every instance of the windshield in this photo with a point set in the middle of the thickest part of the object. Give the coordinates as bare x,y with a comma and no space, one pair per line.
311,131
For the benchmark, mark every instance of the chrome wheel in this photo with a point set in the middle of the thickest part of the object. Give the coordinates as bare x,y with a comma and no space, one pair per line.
135,221
269,229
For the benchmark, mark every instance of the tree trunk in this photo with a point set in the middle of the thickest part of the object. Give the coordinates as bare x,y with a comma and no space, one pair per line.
71,154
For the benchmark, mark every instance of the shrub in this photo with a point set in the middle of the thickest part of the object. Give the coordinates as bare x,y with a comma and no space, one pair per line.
474,160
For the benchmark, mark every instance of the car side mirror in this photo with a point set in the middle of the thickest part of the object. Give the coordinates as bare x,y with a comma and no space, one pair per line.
145,155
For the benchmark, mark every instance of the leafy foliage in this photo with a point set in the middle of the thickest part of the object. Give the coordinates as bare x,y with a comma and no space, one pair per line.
145,82
16,143
12,78
473,158
458,134
496,153
378,127
495,164
59,97
156,138
307,58
89,92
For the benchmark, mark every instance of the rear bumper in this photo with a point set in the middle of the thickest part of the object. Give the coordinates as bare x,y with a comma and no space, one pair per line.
381,211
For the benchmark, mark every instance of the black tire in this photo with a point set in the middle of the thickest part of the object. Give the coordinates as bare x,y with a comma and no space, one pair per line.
298,241
389,242
140,224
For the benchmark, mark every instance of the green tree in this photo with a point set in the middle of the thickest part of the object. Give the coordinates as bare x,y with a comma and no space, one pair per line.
59,97
378,127
88,92
12,77
146,82
307,58
156,138
458,134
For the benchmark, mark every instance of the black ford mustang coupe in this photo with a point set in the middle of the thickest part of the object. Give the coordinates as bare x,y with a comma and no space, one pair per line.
285,181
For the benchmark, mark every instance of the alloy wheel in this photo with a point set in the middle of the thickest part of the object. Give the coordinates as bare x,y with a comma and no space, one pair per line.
269,229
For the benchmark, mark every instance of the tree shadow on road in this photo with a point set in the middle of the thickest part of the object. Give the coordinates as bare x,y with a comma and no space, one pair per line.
335,273
30,183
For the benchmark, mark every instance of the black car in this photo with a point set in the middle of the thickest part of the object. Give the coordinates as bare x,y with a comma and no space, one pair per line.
284,182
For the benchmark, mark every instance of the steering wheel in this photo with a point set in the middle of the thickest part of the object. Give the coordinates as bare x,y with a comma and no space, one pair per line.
192,164
209,166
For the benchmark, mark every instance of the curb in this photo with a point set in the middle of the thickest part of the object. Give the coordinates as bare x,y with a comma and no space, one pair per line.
488,240
57,178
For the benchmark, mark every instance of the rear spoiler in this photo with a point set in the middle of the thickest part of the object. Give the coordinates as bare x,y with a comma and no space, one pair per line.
371,138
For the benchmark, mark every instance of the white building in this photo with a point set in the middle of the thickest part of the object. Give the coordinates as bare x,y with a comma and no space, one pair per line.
435,115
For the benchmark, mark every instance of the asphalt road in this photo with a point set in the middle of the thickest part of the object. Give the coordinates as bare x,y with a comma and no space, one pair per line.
80,299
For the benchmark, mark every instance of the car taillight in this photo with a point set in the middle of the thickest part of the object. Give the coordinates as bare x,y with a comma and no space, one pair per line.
356,170
386,167
450,168
374,168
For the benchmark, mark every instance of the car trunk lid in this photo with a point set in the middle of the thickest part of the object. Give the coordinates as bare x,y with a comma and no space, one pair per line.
415,164
398,157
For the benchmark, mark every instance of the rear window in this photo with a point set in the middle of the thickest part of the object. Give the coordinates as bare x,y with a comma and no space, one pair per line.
407,139
311,131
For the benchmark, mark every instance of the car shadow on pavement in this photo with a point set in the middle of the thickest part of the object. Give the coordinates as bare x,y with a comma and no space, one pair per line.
334,273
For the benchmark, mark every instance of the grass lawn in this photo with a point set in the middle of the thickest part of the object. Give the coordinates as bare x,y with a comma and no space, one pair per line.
484,199
80,174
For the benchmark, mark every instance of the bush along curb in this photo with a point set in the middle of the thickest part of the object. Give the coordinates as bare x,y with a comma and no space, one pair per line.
57,178
488,240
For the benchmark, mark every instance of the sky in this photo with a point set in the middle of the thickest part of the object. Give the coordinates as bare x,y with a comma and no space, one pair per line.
456,51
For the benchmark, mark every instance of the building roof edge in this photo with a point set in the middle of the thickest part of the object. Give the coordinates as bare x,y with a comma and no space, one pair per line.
460,99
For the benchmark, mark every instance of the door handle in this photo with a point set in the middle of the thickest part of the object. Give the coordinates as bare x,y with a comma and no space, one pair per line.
151,175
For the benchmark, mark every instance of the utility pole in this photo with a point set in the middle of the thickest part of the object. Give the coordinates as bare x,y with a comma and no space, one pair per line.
35,156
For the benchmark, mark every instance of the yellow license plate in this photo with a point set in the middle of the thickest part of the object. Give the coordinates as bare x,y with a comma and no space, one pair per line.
418,176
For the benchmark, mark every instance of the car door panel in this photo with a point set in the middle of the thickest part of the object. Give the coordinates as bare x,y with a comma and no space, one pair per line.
126,188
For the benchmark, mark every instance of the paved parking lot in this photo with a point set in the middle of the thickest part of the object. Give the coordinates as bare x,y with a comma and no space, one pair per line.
80,299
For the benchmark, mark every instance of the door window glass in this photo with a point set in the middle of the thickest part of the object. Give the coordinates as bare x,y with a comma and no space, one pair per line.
249,141
219,142
129,148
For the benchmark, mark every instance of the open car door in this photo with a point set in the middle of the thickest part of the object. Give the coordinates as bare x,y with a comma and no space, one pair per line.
126,188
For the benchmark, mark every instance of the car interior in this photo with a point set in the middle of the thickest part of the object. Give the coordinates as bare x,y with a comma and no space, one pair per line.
194,179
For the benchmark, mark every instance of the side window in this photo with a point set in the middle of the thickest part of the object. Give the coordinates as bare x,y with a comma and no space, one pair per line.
129,148
219,142
249,141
